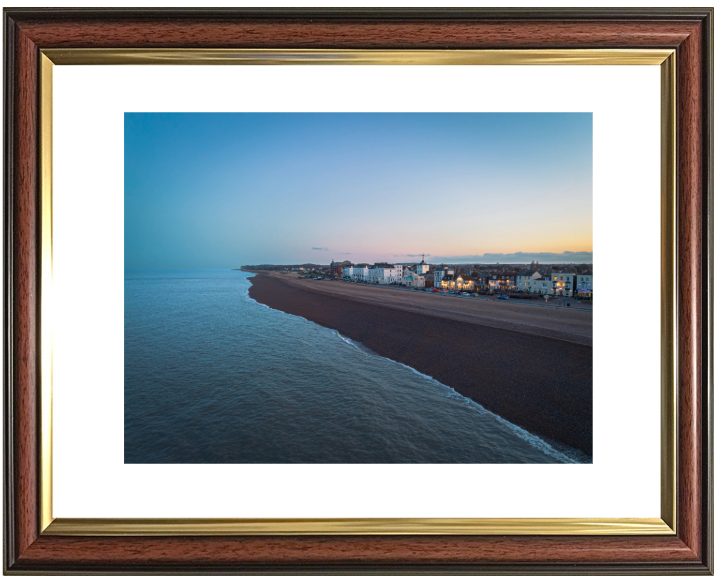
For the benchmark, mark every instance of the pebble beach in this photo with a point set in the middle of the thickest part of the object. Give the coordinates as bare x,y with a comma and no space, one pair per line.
528,364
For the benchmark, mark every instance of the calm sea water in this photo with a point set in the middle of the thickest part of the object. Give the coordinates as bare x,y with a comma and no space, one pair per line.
211,376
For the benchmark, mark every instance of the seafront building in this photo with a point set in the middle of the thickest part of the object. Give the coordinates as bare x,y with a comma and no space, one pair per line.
584,286
525,283
557,283
481,282
464,282
474,278
336,268
412,279
384,273
563,283
422,268
542,285
378,273
443,274
547,285
360,272
502,282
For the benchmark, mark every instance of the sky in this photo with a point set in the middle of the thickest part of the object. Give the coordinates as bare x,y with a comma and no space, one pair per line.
224,190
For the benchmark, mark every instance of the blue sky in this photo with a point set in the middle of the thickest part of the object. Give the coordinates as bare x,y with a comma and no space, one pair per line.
222,190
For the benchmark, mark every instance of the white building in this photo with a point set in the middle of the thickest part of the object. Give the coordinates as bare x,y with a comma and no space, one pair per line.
558,283
524,283
383,273
542,285
422,268
464,282
439,274
379,273
357,272
563,283
585,285
413,279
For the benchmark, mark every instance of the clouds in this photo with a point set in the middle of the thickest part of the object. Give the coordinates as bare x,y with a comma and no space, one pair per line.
566,257
379,183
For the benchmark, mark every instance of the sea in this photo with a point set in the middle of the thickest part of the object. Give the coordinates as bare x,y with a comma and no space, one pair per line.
212,376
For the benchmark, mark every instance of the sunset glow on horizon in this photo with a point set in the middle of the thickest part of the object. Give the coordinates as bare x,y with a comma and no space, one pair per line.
223,190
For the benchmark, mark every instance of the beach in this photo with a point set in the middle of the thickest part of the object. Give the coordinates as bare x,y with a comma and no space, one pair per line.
529,364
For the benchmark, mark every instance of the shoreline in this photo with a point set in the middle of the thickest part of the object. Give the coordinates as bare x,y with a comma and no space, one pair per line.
541,384
557,322
550,447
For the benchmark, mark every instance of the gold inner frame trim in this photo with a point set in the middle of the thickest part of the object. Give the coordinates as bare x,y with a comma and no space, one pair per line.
46,278
665,525
668,293
351,526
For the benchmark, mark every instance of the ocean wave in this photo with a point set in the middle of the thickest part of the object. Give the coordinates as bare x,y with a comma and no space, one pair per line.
450,392
248,297
251,299
565,454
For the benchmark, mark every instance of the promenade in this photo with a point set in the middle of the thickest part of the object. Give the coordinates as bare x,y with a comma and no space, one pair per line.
572,324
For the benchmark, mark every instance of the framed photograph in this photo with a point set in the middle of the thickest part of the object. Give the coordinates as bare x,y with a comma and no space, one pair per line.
358,290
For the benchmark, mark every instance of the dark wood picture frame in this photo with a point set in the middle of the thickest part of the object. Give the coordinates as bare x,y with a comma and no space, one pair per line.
689,31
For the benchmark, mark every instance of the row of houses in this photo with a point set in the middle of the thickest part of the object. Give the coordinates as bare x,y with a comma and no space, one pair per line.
559,283
378,273
556,284
444,278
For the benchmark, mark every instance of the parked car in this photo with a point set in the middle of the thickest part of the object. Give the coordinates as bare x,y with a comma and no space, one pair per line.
465,294
503,297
